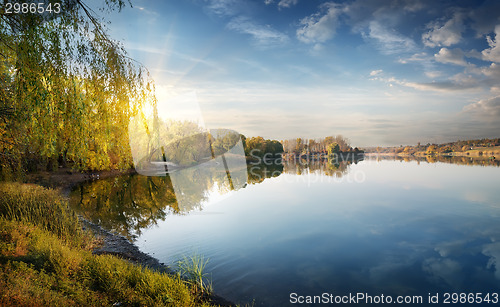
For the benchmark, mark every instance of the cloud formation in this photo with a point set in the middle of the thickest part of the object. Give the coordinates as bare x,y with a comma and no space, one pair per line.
453,56
287,3
493,53
389,41
264,36
321,26
444,35
223,7
283,3
492,71
488,108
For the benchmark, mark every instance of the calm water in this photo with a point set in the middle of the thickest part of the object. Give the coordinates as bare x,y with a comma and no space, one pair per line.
377,227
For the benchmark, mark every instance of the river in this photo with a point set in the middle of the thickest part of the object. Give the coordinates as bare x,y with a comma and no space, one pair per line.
314,231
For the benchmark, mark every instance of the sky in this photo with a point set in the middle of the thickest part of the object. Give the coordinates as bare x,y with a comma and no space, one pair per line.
379,72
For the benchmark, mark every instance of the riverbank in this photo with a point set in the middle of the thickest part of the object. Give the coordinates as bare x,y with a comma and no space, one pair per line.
492,152
64,180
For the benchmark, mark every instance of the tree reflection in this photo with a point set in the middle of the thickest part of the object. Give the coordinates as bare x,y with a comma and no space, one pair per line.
258,172
335,167
125,204
128,204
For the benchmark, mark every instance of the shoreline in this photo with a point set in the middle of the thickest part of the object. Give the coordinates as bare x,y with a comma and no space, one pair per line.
112,244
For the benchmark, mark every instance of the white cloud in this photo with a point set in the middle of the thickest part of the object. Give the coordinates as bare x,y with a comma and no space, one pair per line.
376,72
413,6
453,56
282,3
440,86
444,35
223,7
458,82
433,74
493,53
489,107
390,41
492,71
318,28
425,60
417,57
264,36
287,3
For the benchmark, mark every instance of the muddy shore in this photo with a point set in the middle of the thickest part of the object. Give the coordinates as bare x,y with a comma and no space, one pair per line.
65,180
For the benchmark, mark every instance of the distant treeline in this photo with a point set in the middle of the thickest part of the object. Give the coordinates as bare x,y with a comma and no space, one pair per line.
327,145
445,148
460,160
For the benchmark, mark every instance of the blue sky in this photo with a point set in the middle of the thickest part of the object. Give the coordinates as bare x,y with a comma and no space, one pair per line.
378,72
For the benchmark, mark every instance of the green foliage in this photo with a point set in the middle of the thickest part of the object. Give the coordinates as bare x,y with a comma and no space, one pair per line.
274,147
313,146
259,147
43,266
68,90
333,149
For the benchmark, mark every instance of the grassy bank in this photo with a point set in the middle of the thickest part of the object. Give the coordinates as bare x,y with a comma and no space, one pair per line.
46,260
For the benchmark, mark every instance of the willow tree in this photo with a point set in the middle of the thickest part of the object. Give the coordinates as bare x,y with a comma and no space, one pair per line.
68,89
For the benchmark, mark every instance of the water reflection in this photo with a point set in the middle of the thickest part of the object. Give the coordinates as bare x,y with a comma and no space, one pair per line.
337,167
128,204
460,160
257,173
410,228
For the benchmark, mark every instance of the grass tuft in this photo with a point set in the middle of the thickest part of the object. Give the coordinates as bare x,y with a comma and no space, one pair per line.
192,268
46,208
